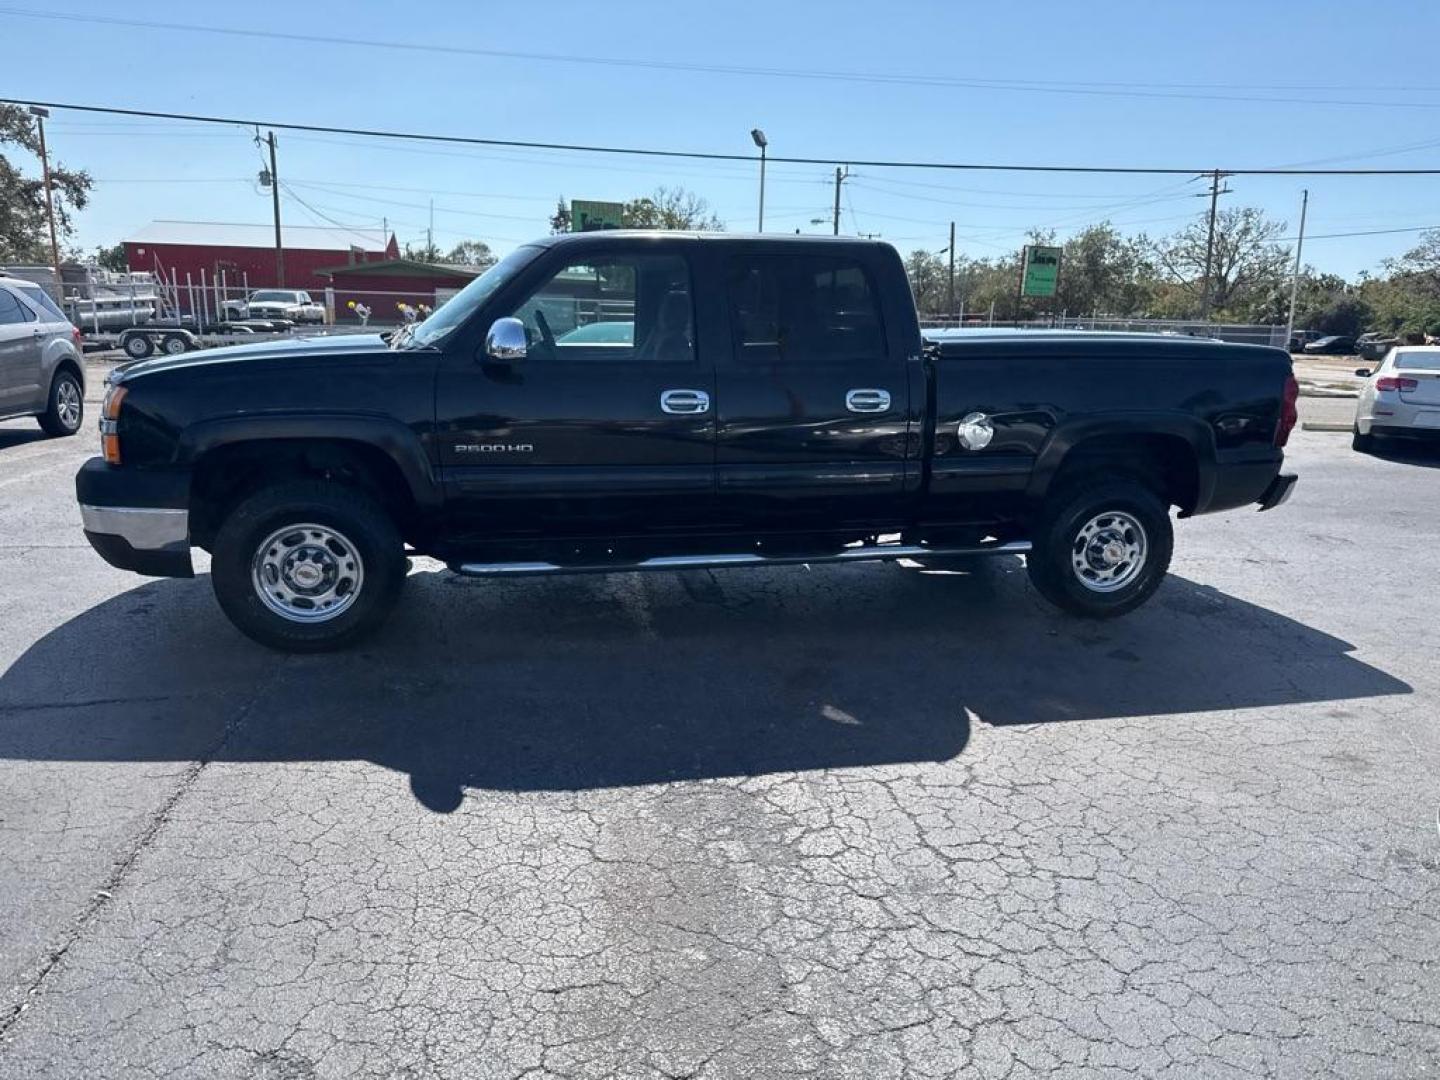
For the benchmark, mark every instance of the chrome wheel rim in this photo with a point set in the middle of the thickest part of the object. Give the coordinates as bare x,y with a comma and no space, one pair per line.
67,403
307,573
174,346
1109,551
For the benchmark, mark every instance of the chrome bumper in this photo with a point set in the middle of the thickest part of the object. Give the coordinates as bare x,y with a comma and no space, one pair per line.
143,528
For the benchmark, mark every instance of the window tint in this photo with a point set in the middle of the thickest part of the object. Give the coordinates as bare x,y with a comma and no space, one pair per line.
806,310
40,299
12,311
623,308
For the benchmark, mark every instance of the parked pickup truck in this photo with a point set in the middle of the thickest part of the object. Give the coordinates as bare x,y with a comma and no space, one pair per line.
763,401
292,304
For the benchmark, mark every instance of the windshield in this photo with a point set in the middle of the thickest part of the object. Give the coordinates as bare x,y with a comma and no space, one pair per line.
464,303
273,294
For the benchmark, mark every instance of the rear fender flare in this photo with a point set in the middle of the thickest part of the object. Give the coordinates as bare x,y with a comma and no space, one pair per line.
1067,436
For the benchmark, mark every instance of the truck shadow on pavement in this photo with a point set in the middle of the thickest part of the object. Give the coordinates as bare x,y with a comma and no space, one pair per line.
579,683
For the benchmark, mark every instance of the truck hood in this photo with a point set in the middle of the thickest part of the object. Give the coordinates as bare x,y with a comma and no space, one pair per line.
310,348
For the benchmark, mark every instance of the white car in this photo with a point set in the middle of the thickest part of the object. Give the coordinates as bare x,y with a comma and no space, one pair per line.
1401,397
292,304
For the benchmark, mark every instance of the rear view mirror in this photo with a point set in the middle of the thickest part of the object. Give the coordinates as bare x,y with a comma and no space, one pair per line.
506,340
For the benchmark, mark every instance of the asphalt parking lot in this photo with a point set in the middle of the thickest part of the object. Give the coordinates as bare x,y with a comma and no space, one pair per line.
858,821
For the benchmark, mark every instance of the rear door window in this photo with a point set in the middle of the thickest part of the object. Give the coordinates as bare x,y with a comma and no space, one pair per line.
809,310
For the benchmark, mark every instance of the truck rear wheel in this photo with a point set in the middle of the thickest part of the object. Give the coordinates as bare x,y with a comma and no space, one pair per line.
1101,549
307,566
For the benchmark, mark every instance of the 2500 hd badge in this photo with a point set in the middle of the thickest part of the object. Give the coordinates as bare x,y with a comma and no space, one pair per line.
495,448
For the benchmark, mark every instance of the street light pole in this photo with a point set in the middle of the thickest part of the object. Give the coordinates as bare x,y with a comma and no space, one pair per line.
40,114
759,139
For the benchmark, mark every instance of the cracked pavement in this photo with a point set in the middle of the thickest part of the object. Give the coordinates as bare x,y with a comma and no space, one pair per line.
855,821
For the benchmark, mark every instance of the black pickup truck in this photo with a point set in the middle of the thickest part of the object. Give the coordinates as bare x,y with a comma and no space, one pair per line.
621,401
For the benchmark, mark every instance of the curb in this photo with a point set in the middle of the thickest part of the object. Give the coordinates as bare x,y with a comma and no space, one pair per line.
1318,425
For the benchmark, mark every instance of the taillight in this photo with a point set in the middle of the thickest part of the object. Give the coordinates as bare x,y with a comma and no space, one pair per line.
77,337
1288,412
1390,382
110,424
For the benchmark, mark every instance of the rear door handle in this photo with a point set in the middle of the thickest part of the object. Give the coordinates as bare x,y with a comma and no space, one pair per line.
868,401
684,402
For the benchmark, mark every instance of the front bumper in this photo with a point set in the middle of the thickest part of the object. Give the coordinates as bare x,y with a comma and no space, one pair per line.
136,520
1279,491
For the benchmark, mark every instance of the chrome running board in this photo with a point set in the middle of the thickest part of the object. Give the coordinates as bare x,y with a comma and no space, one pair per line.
862,553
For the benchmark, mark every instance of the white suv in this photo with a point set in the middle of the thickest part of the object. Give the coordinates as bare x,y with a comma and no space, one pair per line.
41,370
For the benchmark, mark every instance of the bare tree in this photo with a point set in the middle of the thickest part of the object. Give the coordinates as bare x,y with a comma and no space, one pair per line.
1247,260
671,208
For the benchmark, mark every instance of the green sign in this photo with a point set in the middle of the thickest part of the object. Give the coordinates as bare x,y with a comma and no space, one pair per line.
1042,271
588,216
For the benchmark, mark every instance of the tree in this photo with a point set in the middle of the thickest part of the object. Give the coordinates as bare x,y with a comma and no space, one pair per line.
560,220
670,208
1102,271
112,258
426,252
24,233
1247,263
929,281
471,253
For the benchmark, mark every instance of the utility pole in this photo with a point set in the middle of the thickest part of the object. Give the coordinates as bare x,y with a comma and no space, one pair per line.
40,114
950,293
1215,192
840,177
275,201
430,232
1295,277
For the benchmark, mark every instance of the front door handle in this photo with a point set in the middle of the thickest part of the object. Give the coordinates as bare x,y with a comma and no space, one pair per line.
684,402
868,401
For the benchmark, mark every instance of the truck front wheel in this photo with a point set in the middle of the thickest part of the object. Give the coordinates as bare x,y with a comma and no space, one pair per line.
307,566
1101,549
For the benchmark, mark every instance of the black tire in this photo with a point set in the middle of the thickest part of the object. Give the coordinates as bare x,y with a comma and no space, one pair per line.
174,344
1364,444
367,539
65,409
1098,591
138,346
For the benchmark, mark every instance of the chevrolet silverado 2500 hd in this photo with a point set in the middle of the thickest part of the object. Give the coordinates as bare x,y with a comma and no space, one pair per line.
619,401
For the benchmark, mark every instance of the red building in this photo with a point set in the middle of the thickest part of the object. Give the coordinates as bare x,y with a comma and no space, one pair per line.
383,286
245,254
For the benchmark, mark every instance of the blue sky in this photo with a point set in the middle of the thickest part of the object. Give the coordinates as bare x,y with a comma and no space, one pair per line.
1183,85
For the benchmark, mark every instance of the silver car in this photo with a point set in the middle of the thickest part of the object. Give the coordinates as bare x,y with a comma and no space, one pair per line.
1401,397
41,370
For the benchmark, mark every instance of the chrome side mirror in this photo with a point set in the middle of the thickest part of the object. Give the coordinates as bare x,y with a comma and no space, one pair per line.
506,340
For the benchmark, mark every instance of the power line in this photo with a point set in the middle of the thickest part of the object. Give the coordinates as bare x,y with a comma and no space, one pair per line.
1102,89
699,155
